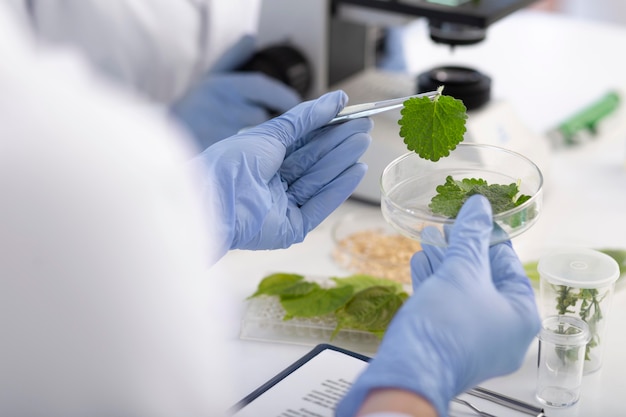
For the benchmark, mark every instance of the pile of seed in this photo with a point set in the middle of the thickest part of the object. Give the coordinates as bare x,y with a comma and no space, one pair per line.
377,253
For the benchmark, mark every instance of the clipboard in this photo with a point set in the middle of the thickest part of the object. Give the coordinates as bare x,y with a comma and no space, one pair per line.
320,349
335,362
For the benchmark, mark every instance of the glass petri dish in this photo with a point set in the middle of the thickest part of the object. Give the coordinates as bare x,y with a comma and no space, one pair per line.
409,183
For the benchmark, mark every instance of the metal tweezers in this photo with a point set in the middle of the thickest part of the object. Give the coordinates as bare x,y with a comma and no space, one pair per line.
477,410
508,402
369,109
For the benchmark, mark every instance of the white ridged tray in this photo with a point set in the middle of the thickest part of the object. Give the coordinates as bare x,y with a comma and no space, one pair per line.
263,320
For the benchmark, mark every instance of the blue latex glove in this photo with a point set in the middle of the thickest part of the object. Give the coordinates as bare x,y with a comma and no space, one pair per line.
471,317
277,181
226,101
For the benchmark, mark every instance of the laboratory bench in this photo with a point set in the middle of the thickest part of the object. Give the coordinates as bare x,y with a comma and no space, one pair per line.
546,67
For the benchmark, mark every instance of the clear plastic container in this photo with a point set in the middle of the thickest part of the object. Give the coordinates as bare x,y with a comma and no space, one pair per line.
562,344
579,282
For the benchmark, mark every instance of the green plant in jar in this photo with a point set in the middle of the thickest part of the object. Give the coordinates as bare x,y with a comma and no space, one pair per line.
590,311
585,303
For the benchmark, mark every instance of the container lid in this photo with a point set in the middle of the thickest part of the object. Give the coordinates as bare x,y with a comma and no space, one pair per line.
578,268
564,331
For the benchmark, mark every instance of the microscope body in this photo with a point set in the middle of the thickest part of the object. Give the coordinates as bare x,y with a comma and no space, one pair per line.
343,41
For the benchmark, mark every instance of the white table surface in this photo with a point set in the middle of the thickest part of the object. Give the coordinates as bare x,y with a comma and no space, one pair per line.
547,67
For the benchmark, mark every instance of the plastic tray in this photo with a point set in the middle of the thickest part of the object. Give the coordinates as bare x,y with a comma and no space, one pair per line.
263,320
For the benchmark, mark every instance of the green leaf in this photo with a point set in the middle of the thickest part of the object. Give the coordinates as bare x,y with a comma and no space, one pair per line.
276,284
452,194
360,282
432,128
318,302
370,310
372,300
298,289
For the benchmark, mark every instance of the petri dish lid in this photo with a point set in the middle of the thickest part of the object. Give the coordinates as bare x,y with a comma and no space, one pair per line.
578,268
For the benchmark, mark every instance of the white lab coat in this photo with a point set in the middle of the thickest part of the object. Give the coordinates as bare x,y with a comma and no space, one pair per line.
155,47
106,306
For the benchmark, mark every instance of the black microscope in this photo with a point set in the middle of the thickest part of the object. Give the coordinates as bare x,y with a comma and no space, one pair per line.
450,22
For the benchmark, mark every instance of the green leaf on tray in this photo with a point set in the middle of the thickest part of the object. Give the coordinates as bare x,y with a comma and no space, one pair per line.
370,309
276,284
360,282
299,289
359,302
453,193
433,127
317,303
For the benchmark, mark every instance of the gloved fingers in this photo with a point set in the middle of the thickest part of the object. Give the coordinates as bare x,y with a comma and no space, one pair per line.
247,116
432,236
316,209
426,262
508,272
243,116
232,114
421,269
498,233
325,141
470,236
224,104
512,283
329,167
447,228
249,89
304,118
264,91
236,55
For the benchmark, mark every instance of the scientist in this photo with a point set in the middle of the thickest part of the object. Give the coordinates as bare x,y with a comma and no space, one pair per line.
180,54
105,230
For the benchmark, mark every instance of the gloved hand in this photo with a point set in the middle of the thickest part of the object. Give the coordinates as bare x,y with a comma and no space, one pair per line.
471,317
275,182
226,101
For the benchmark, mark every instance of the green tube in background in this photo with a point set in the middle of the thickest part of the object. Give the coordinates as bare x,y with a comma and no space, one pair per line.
585,122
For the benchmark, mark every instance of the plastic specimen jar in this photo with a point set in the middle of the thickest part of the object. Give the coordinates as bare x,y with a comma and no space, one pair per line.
562,345
579,282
